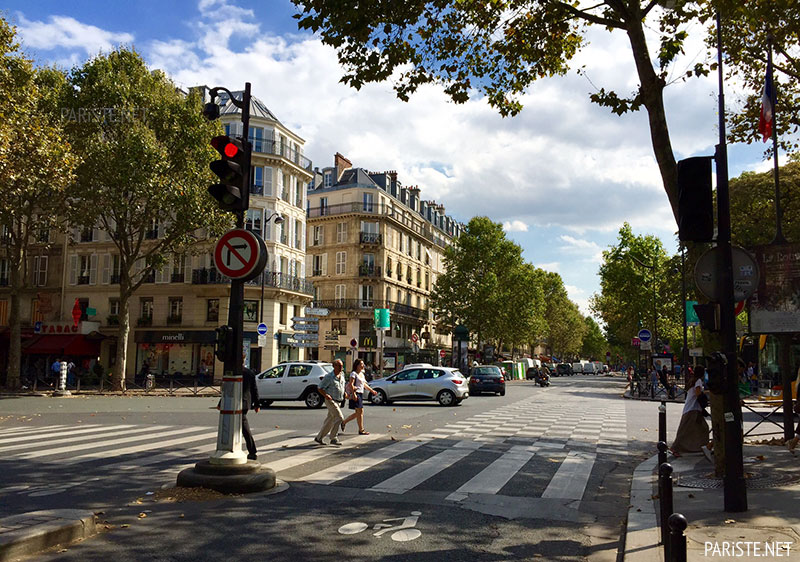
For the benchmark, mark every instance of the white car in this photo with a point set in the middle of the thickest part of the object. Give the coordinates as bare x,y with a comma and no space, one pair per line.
294,380
446,385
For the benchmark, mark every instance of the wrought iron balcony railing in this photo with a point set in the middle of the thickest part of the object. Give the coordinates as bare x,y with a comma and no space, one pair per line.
369,304
369,238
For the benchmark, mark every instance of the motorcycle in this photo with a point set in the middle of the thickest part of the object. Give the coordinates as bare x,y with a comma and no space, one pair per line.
542,379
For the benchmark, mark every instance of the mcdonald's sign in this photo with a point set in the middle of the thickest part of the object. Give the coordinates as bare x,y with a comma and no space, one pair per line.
367,341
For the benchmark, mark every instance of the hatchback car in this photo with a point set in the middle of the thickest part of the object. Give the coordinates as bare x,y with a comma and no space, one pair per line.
487,378
446,385
292,381
564,369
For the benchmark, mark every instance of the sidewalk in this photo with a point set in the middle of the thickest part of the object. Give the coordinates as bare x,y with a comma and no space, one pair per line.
30,533
773,516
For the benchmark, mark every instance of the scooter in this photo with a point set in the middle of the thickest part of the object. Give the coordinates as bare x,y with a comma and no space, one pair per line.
542,379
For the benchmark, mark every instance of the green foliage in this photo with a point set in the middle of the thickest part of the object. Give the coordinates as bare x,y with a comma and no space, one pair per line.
565,325
594,343
488,287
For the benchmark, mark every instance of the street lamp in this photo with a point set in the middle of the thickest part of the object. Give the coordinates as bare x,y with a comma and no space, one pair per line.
655,319
278,220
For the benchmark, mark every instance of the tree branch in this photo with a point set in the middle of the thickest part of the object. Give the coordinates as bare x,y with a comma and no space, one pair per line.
581,14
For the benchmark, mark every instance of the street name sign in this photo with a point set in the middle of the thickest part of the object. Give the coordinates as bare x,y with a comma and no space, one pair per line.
306,327
240,254
301,337
306,344
305,319
318,311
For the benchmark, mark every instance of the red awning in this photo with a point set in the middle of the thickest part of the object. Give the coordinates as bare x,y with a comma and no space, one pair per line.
69,344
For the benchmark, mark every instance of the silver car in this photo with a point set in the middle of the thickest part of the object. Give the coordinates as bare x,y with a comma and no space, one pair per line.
295,380
444,384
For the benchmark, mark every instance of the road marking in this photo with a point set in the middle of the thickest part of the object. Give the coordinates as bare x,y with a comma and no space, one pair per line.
113,442
492,478
359,464
419,473
569,482
139,448
105,432
9,431
48,432
296,460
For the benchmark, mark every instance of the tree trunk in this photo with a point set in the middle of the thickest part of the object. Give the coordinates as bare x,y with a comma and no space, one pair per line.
652,92
118,376
15,324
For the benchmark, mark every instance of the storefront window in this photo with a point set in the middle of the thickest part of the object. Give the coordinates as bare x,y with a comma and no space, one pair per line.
251,311
212,310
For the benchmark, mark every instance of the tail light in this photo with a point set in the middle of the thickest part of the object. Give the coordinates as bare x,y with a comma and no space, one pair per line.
502,380
457,381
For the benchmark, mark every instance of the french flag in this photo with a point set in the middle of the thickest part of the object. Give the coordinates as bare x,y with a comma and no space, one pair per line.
765,120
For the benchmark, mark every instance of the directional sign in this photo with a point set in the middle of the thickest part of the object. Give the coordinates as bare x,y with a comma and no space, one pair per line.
306,327
240,254
318,311
261,329
304,319
306,344
645,335
301,337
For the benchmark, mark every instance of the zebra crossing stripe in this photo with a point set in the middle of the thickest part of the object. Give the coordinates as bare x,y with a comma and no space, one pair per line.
570,480
113,442
139,448
49,432
360,464
296,460
110,431
419,473
16,431
492,478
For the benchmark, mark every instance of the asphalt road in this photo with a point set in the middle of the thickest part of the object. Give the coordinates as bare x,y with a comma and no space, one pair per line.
539,473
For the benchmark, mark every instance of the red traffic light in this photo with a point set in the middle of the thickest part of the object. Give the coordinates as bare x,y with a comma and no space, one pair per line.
226,146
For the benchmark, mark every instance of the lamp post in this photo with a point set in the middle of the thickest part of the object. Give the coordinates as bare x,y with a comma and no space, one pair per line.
278,220
655,319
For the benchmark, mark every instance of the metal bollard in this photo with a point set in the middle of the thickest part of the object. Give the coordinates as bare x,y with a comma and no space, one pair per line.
677,539
665,503
662,452
662,422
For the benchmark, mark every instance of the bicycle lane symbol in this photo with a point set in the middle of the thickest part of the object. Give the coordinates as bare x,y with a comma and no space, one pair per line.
403,532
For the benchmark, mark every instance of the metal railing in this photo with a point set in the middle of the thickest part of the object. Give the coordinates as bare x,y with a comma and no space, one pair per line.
278,148
177,278
369,304
3,281
277,280
369,238
369,270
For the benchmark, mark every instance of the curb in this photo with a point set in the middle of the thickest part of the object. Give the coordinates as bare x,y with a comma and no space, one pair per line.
642,536
32,532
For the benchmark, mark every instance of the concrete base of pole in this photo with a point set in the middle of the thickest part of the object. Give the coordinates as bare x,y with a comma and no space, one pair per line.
228,479
228,458
62,393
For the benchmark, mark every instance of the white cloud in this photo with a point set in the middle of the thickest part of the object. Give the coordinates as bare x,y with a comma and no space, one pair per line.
515,226
62,32
552,266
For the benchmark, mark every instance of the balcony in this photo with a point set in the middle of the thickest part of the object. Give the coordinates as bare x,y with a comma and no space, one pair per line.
145,321
316,273
365,270
369,238
113,320
3,281
173,320
208,276
86,236
284,281
285,239
83,279
369,304
177,278
114,279
150,277
277,148
151,234
257,190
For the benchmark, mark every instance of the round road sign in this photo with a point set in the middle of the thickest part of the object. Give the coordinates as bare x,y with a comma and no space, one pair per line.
353,343
645,335
414,337
442,353
745,274
240,254
261,329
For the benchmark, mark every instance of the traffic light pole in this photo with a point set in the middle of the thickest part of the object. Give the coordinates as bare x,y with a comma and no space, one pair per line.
735,487
229,433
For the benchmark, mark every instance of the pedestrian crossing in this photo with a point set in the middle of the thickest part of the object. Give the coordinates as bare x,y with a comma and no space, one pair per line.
528,447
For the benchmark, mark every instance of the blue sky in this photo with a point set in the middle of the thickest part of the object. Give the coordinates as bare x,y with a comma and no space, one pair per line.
562,176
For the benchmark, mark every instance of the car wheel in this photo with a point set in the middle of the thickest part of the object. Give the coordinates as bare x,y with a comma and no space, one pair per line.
313,399
379,398
265,403
446,398
502,393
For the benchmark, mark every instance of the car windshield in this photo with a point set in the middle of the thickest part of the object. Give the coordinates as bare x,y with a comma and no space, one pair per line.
486,371
327,368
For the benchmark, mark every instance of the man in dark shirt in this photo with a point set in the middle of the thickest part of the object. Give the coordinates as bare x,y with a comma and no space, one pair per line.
249,400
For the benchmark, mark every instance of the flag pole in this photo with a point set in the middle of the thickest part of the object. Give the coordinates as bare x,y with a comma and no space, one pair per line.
779,238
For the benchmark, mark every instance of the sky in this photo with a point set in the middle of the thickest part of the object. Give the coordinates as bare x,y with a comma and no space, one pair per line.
562,176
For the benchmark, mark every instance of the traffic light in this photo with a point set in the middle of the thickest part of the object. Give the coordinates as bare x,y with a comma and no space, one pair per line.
232,171
708,314
695,202
223,343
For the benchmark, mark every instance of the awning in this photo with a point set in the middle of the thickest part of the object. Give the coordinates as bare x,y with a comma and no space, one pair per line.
69,344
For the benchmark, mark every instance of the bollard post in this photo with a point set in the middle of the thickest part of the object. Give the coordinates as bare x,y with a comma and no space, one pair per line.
195,386
170,385
677,538
662,422
78,389
665,503
662,452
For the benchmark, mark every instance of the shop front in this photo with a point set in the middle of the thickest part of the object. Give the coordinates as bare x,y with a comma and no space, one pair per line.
178,354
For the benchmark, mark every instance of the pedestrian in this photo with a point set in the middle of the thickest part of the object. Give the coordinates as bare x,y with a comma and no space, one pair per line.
653,382
692,434
249,400
792,443
664,377
356,386
332,390
55,369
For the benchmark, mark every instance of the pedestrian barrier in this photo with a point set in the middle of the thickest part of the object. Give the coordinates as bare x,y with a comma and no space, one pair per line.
677,538
662,452
665,503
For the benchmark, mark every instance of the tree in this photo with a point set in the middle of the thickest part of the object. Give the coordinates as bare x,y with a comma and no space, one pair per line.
500,48
145,171
564,325
594,345
745,42
36,170
522,308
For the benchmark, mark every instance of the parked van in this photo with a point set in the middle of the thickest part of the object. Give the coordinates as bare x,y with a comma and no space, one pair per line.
588,367
577,368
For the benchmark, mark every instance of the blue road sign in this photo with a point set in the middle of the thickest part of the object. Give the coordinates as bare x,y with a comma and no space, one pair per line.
262,329
645,335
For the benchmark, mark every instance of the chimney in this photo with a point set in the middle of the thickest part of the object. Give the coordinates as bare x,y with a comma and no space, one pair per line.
341,164
414,199
393,184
